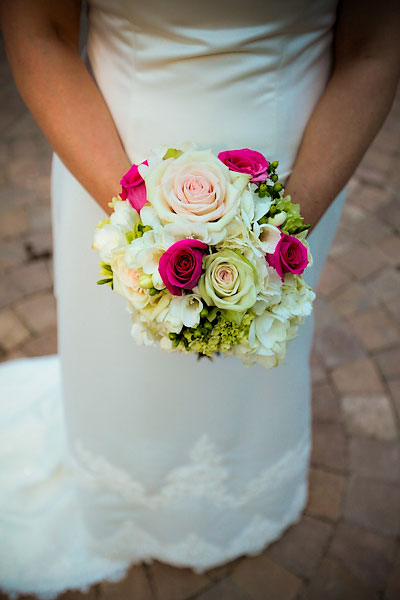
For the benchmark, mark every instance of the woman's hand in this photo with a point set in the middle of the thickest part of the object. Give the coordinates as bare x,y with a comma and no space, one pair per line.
353,107
41,39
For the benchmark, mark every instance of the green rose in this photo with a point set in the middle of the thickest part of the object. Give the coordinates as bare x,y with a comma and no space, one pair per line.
229,281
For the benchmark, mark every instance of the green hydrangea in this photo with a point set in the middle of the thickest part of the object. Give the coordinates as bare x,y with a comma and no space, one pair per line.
294,221
218,336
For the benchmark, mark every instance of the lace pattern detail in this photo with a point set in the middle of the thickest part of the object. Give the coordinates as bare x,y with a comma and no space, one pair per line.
204,476
197,552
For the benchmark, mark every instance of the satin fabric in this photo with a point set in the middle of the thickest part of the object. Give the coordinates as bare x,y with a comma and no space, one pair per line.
190,462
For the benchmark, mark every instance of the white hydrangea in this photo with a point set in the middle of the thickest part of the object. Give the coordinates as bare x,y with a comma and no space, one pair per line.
219,207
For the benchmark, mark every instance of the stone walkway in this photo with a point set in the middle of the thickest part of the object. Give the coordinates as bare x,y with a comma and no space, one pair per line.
347,544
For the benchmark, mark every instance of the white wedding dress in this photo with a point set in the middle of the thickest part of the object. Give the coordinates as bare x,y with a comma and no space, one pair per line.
190,462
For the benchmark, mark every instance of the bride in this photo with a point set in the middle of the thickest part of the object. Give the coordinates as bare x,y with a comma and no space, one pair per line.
112,453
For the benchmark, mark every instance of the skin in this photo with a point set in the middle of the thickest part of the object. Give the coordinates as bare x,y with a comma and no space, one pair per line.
41,39
353,106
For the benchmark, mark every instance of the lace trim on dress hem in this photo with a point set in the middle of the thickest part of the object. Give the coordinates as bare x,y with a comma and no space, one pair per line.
204,476
199,554
193,552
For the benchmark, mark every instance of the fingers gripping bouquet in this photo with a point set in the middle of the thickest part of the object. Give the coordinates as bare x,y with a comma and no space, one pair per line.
208,253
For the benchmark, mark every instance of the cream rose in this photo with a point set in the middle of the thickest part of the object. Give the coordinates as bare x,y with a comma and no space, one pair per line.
198,186
229,281
126,282
106,240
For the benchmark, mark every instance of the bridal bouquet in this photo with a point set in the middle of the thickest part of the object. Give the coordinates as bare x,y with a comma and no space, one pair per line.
209,254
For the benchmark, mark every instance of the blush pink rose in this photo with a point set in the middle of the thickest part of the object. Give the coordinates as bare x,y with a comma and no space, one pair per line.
290,256
180,266
246,161
134,187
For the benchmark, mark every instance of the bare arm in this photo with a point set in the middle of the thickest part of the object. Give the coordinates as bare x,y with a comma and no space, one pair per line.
41,38
353,107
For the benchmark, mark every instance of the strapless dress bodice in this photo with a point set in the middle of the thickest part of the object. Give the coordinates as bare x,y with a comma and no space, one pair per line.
222,74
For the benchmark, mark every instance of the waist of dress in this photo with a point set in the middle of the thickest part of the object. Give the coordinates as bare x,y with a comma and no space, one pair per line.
220,102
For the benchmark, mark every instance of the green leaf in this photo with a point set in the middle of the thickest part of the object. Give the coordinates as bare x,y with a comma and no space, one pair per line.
103,281
106,267
212,314
172,153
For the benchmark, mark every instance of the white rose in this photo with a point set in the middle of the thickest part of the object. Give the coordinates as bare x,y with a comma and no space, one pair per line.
229,281
198,186
156,156
107,239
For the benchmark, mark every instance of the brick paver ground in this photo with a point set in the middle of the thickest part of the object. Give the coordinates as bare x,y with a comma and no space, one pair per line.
346,546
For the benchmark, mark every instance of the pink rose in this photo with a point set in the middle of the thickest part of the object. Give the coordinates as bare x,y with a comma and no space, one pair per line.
246,161
290,256
134,187
181,265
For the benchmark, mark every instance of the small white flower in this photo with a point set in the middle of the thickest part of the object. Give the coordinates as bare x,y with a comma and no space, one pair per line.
181,229
277,219
186,309
106,240
124,216
145,252
266,236
261,206
157,280
149,217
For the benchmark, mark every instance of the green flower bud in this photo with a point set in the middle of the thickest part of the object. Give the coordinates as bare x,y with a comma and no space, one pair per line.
146,282
274,178
275,164
204,313
263,187
278,187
